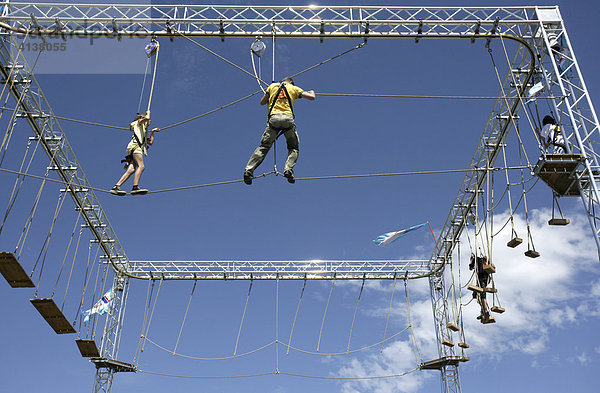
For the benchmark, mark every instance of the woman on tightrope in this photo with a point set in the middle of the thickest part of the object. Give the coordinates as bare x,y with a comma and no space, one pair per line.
136,150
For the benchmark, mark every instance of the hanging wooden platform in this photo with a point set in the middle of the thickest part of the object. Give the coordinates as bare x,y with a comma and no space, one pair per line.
491,290
438,364
463,345
452,327
13,272
489,267
52,314
87,348
559,221
559,172
488,320
475,288
514,242
447,343
532,254
115,365
497,309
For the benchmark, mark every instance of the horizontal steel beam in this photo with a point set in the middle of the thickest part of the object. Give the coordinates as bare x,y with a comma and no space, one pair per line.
284,270
249,21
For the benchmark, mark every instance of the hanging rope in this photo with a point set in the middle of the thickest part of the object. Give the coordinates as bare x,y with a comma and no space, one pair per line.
66,253
17,186
46,244
146,338
281,373
295,317
147,304
243,317
289,347
185,316
85,283
325,313
153,76
387,318
355,311
71,271
145,335
143,84
416,351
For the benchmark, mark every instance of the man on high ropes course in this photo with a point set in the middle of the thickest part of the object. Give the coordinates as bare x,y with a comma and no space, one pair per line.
280,97
551,135
136,149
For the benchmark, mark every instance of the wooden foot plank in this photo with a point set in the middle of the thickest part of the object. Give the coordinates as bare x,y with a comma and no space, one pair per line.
532,254
53,315
485,321
87,348
13,272
475,288
452,327
514,242
559,221
497,309
463,345
447,343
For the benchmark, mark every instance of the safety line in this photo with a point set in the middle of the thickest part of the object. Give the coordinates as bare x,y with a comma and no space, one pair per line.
450,97
328,60
350,378
207,358
279,373
212,111
207,376
221,57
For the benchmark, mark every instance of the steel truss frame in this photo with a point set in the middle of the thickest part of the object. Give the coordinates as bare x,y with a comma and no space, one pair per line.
282,270
538,28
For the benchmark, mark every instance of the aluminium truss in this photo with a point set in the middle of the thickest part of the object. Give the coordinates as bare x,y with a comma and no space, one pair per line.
538,29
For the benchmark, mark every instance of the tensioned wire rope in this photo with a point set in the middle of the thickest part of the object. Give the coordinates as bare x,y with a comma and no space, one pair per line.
365,95
374,377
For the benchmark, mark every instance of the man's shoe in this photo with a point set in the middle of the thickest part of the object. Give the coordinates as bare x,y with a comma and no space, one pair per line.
289,175
136,190
248,177
117,191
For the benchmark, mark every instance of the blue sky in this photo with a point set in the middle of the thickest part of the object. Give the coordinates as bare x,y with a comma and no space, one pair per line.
546,341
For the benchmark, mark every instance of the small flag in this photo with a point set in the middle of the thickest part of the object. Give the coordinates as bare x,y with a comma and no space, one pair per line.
389,237
101,306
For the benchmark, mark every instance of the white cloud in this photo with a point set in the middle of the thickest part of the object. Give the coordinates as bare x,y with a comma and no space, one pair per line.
539,295
583,358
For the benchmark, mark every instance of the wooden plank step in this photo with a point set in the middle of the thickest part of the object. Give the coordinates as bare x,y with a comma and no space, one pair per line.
559,221
465,359
532,254
491,290
452,327
447,343
52,314
475,288
497,309
514,242
490,319
463,345
13,272
87,348
489,267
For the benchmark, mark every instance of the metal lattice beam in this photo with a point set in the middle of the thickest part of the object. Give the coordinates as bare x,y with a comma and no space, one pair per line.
283,270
